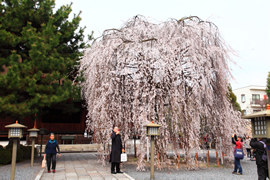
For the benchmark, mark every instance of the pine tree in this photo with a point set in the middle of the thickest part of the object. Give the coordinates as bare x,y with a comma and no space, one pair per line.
39,51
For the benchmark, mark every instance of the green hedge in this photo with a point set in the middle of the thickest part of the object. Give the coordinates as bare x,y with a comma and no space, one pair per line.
5,157
27,151
23,153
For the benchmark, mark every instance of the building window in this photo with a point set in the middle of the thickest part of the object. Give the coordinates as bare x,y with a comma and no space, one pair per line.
244,112
256,110
260,125
255,99
243,98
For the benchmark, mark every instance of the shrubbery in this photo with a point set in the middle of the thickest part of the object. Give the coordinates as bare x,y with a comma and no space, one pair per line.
5,157
27,152
22,154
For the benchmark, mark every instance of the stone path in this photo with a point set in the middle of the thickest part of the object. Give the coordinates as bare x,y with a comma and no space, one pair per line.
73,166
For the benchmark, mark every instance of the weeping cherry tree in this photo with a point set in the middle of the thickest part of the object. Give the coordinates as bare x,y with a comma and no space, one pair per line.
174,73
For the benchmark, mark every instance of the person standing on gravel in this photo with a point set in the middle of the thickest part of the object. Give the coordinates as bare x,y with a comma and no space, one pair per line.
205,140
248,147
209,141
115,157
261,157
50,153
238,144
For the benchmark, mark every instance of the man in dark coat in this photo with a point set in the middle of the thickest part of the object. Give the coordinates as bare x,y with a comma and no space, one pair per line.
262,167
116,151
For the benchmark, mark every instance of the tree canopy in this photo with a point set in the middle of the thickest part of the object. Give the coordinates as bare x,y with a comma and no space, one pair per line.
174,73
39,51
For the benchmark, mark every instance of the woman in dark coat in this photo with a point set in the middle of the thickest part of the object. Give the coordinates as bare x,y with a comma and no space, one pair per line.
50,150
116,151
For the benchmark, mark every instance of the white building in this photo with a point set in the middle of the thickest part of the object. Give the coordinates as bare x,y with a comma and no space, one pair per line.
251,98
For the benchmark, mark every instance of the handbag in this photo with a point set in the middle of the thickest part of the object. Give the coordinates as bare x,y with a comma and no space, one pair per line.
43,164
239,153
123,157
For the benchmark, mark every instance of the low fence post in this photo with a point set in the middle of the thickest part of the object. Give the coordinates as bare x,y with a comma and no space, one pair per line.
217,158
207,157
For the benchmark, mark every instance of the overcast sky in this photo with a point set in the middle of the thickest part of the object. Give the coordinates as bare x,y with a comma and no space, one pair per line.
244,24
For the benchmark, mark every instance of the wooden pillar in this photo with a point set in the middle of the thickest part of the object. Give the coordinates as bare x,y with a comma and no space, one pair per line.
223,158
217,158
179,160
13,161
207,157
196,158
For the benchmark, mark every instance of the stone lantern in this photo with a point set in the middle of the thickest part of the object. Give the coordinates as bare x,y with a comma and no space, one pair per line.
42,132
260,122
152,130
15,132
33,133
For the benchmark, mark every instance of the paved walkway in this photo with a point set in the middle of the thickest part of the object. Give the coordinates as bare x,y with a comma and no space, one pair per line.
73,166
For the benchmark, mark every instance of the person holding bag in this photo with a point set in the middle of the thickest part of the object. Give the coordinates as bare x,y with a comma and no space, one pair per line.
238,154
50,150
117,149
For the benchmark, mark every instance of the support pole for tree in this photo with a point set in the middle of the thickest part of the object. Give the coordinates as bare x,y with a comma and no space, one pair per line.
13,161
147,151
152,158
196,158
135,148
220,143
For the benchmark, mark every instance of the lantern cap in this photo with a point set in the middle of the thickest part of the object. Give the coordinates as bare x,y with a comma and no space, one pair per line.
152,125
15,125
33,130
259,114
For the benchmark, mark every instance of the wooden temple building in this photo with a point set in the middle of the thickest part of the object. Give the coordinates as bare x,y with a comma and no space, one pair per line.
69,128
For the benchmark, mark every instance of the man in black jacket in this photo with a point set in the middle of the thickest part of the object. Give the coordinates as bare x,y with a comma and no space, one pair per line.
262,167
116,151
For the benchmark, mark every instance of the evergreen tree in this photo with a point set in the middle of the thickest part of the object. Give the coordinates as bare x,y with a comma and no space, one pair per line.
233,99
39,51
268,86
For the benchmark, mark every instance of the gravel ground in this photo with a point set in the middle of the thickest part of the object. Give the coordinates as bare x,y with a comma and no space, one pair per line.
23,170
211,173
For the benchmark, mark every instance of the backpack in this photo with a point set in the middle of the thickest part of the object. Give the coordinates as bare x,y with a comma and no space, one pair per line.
239,153
264,156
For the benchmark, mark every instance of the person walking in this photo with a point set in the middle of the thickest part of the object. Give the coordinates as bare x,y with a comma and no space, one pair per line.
209,141
248,147
116,151
50,152
238,144
261,157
